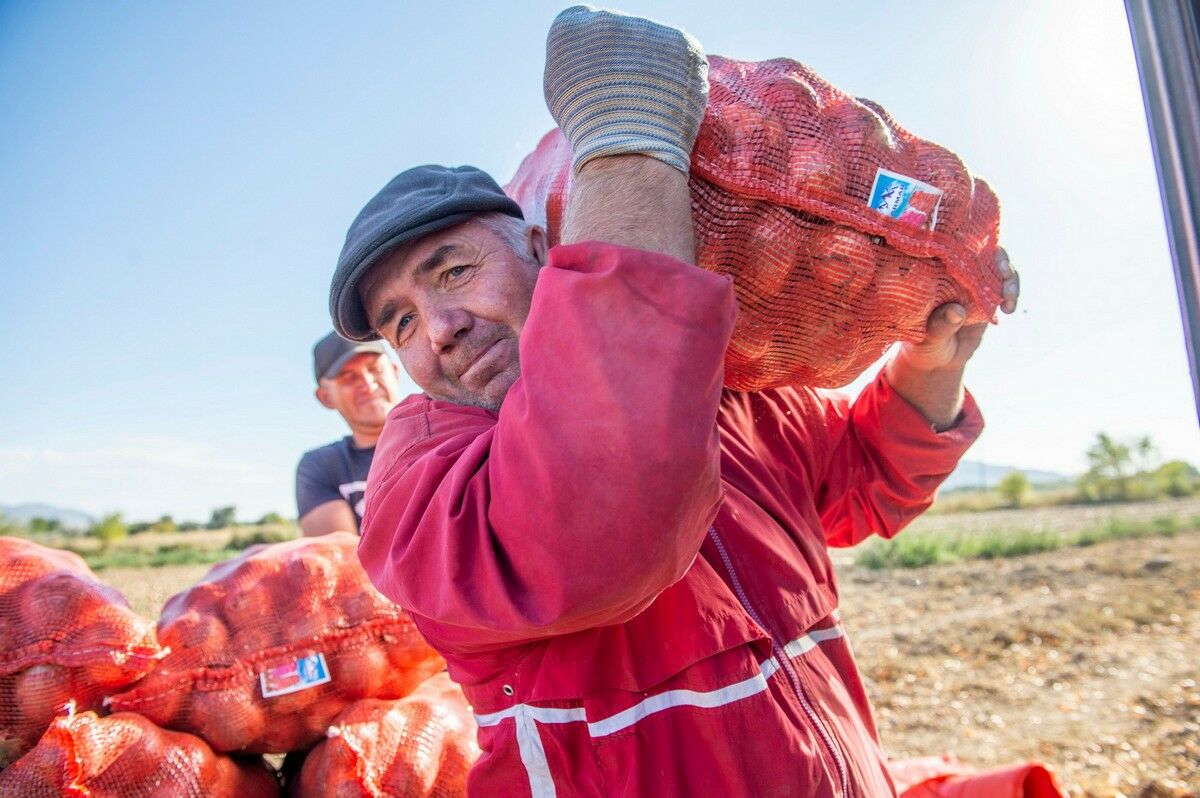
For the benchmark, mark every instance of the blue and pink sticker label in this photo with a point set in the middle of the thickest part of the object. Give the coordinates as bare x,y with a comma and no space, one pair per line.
294,675
905,199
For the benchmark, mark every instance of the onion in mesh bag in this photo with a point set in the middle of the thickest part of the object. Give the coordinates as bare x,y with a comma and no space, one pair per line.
126,756
420,746
790,181
64,637
271,645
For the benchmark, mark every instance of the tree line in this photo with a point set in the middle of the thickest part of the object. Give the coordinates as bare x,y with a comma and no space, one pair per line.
1118,471
112,527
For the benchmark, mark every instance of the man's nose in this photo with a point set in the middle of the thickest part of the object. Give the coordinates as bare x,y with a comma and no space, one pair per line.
446,328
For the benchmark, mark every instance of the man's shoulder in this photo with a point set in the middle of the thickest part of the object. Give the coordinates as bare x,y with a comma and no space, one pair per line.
421,424
324,454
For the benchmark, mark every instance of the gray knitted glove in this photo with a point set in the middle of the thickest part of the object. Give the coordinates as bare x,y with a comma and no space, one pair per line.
618,85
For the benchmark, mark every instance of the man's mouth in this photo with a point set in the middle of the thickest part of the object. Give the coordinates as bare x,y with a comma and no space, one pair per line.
489,359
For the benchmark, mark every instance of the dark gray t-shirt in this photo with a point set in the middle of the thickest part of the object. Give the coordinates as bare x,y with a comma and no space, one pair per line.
336,471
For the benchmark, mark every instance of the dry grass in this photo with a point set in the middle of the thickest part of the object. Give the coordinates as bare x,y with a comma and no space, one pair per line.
149,588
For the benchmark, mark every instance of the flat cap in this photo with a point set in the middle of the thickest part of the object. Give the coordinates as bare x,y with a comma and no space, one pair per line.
415,203
333,351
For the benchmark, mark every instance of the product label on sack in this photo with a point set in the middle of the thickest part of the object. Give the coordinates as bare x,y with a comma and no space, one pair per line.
905,199
298,674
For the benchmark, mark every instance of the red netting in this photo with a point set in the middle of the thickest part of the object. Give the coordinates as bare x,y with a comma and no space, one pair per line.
64,636
127,756
270,646
418,747
781,177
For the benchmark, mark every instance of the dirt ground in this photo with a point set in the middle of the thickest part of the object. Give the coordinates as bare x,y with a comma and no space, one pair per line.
1083,658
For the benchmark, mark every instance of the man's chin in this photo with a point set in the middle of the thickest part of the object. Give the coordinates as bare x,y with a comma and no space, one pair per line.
490,397
377,412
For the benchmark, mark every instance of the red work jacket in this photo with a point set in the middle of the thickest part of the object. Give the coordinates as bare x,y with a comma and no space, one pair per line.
626,567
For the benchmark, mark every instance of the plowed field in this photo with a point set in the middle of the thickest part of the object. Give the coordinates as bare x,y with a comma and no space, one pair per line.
1083,658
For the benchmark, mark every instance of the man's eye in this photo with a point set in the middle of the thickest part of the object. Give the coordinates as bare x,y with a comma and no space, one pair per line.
405,320
456,271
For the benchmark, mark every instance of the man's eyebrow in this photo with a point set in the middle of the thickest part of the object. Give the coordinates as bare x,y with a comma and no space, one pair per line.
388,311
435,260
385,316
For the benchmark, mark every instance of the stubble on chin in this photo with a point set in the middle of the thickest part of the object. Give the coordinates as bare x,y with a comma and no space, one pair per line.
490,400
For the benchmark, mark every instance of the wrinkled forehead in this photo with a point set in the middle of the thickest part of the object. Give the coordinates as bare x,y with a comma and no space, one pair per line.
395,273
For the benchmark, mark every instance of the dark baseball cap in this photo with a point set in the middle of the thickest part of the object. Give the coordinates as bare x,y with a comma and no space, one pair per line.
420,201
333,351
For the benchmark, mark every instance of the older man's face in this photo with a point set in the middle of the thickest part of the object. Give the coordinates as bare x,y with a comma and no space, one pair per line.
453,305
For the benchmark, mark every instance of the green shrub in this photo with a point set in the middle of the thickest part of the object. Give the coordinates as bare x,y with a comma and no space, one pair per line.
244,540
108,530
1177,478
222,517
912,551
919,552
1165,525
875,556
1014,488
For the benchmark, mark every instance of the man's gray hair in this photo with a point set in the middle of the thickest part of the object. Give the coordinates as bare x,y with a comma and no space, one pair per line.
511,230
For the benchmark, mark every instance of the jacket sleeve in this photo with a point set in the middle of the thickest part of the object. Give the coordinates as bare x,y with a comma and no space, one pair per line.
313,483
592,489
883,461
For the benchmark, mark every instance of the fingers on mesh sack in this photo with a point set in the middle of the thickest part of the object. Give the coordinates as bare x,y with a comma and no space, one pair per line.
268,648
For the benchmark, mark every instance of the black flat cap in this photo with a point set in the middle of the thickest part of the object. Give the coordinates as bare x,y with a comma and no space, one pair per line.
414,204
333,351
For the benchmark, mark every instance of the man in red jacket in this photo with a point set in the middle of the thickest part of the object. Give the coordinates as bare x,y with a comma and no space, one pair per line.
625,565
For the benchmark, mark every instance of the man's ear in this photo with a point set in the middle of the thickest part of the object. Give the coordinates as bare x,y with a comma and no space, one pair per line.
538,243
323,397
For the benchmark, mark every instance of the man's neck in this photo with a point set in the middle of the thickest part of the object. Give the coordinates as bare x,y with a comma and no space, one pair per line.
365,439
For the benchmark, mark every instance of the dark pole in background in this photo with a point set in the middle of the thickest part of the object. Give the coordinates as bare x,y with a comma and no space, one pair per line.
1167,49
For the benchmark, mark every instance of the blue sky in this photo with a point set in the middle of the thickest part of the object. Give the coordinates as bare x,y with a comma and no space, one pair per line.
178,179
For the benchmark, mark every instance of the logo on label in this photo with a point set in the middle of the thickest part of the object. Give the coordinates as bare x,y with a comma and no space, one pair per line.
905,199
293,675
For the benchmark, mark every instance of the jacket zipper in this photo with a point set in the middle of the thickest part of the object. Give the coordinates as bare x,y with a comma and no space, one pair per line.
781,655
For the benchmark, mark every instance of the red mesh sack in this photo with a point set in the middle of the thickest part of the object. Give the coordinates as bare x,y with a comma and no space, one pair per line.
418,747
842,231
64,636
127,756
271,645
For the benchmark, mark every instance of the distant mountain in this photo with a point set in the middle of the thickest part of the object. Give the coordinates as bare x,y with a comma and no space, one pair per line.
70,519
974,474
